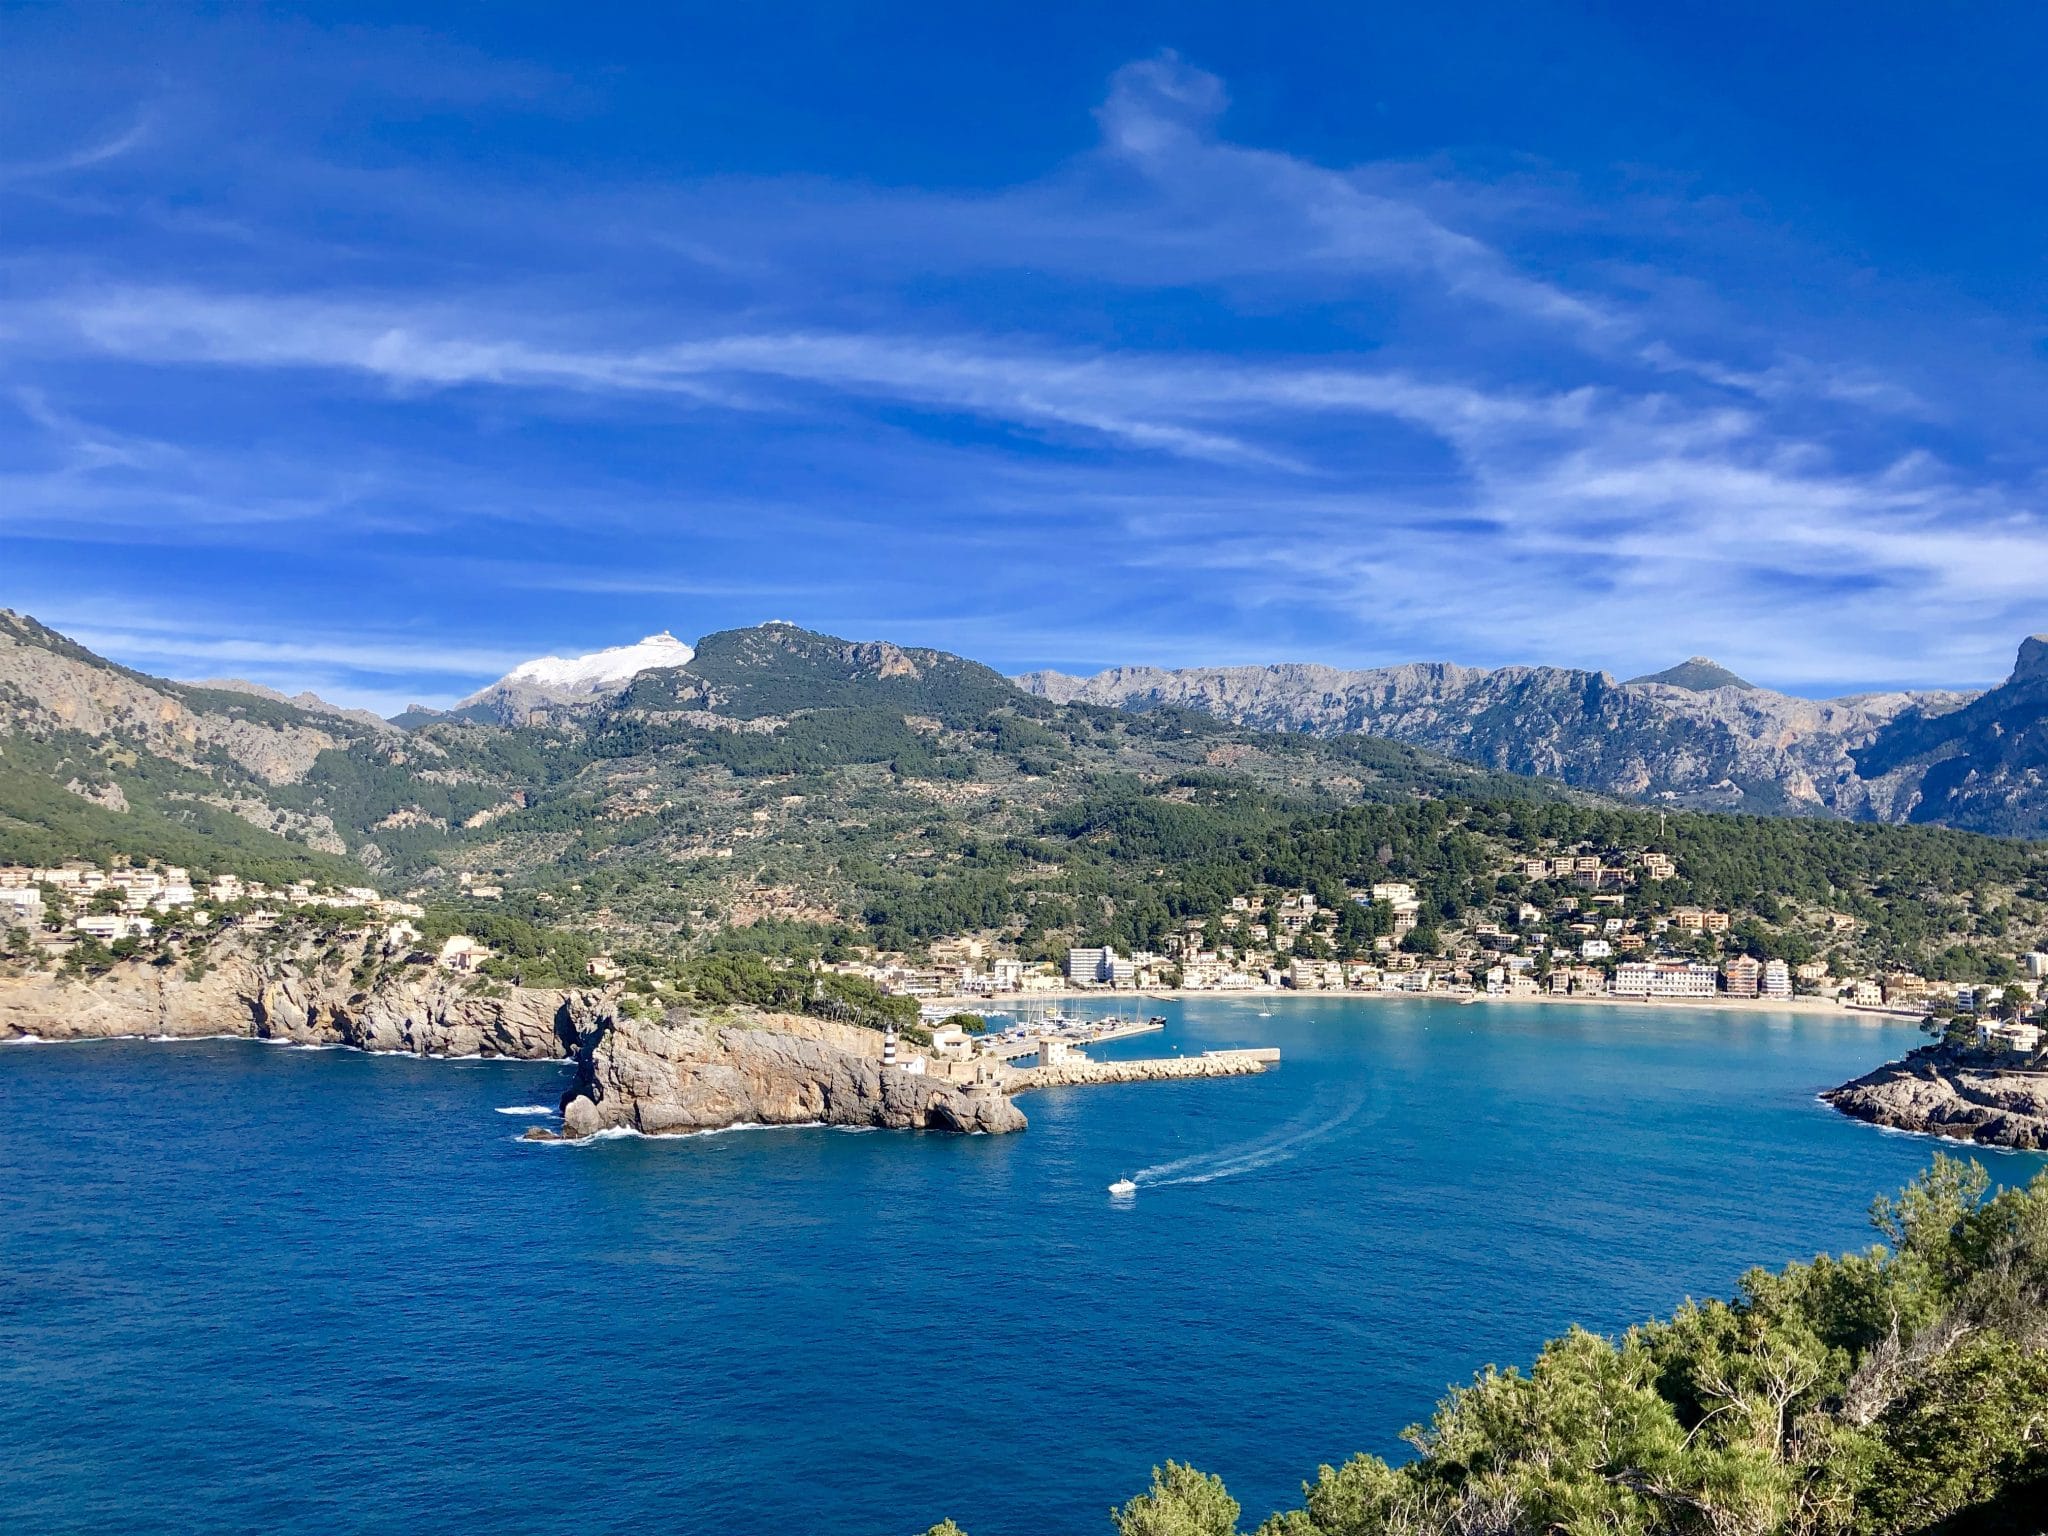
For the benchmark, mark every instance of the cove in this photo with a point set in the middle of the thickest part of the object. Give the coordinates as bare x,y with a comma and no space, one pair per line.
248,1287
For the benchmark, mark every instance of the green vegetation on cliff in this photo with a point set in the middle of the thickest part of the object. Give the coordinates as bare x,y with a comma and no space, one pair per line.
895,796
1898,1392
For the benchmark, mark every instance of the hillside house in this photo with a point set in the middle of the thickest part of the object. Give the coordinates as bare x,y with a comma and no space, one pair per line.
2012,1039
462,954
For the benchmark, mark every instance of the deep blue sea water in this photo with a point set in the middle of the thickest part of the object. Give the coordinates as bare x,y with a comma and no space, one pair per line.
253,1288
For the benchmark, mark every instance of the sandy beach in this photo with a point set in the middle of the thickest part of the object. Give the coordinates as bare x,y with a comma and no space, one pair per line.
1010,1002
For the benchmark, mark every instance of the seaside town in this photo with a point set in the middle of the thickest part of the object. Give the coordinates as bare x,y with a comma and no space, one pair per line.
1601,940
1588,926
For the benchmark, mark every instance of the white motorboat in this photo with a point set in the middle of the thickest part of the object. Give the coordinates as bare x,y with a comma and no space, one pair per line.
1123,1188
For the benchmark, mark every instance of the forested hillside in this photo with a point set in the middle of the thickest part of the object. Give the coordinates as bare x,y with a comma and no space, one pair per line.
784,783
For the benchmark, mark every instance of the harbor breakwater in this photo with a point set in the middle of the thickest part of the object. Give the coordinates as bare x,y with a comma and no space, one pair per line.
1076,1072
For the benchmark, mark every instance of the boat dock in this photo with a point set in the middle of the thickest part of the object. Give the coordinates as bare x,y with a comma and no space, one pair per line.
1053,1049
1062,1035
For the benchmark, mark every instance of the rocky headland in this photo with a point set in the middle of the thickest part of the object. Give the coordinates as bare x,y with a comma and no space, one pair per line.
668,1076
685,1073
1947,1091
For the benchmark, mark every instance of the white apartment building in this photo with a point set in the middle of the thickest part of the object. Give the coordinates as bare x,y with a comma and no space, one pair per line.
109,927
20,907
1664,978
1087,964
2019,1038
1316,975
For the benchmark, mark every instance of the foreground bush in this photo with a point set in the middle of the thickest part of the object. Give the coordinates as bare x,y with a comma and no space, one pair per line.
1901,1390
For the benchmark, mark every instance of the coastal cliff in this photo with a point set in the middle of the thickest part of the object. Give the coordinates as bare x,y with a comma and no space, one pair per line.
661,1077
1948,1092
684,1073
292,997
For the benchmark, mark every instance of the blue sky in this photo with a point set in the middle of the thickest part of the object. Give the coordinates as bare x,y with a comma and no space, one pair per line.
344,352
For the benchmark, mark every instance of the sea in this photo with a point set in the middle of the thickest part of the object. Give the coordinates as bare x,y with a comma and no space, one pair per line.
259,1288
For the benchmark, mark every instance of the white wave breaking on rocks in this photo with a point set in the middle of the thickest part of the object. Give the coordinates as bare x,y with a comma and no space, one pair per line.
629,1133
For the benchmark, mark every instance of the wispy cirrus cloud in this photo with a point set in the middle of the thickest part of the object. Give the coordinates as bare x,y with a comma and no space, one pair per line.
1151,402
99,149
1245,399
384,671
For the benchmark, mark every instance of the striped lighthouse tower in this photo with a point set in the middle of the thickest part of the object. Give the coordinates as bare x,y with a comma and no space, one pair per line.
888,1046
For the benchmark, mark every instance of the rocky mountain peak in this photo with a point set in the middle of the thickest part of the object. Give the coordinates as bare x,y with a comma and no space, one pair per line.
2032,663
1697,674
535,688
777,668
306,700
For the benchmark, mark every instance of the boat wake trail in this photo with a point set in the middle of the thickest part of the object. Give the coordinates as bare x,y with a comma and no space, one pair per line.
1326,1115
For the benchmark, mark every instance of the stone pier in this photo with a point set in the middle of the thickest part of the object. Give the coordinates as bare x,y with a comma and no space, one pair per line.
1074,1072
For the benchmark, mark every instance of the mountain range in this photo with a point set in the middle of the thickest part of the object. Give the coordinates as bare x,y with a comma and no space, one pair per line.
561,748
775,768
1695,735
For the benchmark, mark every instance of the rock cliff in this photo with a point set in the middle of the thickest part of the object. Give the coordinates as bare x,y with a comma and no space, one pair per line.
684,1073
415,1009
49,683
1984,766
1731,746
661,1077
1953,1093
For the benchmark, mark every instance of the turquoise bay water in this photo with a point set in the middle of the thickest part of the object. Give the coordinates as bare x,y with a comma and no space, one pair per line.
252,1288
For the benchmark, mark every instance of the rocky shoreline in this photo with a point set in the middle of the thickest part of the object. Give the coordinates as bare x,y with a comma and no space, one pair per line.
669,1076
679,1074
295,999
1948,1091
683,1074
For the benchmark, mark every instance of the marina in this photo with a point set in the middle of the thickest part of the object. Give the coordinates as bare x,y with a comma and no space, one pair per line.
1050,1038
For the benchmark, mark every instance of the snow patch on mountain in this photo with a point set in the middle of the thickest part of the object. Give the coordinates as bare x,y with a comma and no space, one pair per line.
577,677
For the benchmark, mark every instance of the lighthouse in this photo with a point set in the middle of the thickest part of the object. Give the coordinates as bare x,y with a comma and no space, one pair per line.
888,1046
